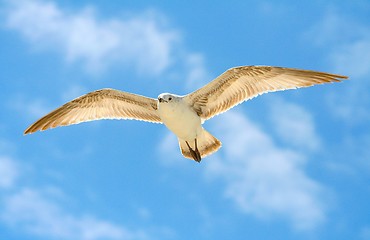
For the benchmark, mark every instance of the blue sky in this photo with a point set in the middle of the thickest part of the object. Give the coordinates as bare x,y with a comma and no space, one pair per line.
294,164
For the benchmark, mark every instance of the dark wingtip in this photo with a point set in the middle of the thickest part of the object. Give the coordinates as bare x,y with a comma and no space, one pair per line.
26,132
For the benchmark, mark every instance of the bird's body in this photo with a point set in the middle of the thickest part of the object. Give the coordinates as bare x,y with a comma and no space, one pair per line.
179,117
184,115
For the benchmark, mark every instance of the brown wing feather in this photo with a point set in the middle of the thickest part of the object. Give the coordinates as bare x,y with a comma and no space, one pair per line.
242,83
100,104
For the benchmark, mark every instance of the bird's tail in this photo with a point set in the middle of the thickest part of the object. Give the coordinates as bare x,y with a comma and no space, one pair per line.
206,144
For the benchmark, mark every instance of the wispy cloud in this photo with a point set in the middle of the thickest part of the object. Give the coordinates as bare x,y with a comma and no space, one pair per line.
353,57
8,172
34,212
73,92
23,105
42,211
263,179
346,42
196,71
143,41
169,147
293,124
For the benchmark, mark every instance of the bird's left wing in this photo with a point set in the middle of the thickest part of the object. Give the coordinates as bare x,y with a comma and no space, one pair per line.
242,83
100,104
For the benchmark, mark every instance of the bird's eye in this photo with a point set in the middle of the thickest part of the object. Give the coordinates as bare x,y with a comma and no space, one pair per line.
170,98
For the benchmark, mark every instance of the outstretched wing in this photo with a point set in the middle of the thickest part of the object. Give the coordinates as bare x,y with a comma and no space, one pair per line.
242,83
100,104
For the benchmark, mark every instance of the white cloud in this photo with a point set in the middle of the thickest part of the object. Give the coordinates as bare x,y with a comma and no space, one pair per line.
34,212
143,42
8,172
335,29
73,92
196,72
293,124
263,179
346,42
351,104
350,44
169,147
42,212
34,108
353,58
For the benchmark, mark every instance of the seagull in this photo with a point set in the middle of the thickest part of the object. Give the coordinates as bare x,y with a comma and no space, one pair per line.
184,115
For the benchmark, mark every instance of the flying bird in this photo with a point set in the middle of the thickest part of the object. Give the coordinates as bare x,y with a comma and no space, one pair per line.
184,115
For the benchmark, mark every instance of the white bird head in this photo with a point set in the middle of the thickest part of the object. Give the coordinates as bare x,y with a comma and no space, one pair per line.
168,97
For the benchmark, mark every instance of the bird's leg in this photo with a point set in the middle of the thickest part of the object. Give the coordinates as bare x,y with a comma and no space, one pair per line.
197,152
194,154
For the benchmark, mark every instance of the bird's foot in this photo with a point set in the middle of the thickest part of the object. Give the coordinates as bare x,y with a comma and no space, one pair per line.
195,154
199,158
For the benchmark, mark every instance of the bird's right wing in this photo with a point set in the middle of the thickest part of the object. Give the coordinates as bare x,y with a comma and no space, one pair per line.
242,83
100,104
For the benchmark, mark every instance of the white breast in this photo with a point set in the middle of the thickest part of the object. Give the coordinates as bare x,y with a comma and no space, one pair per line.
180,119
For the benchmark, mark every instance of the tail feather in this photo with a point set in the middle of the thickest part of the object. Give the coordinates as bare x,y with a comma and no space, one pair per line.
206,143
